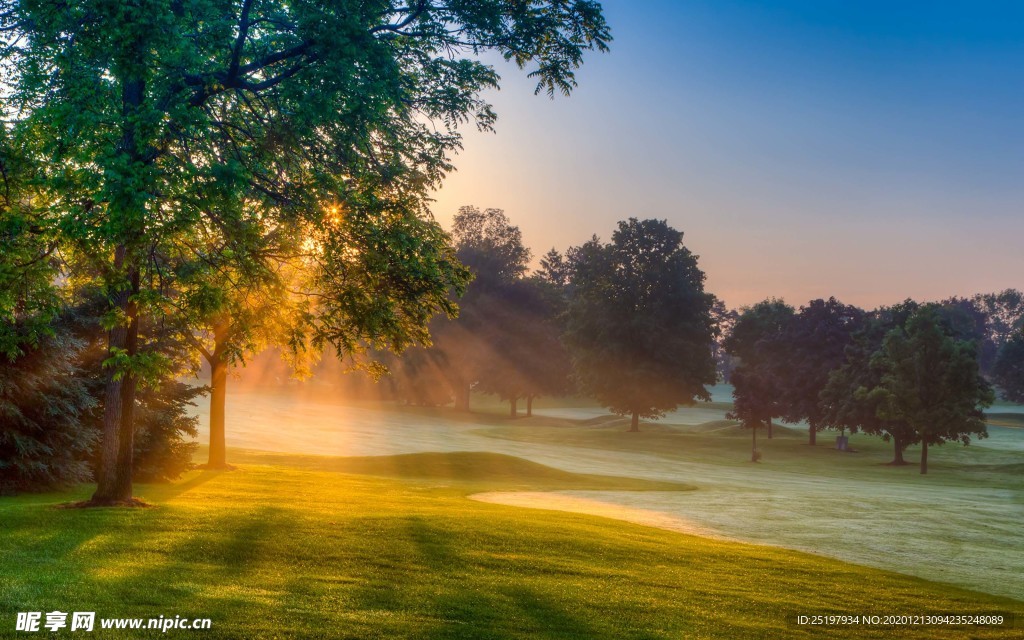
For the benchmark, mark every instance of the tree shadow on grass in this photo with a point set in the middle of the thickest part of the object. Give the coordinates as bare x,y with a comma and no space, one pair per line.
202,569
164,492
443,593
545,619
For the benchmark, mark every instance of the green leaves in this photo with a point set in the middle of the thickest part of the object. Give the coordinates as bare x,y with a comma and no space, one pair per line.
930,380
639,323
186,151
148,368
1009,368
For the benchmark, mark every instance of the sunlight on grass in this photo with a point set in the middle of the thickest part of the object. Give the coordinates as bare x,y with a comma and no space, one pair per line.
283,551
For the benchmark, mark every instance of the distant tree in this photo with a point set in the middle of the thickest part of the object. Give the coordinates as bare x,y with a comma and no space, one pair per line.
548,363
753,341
639,325
490,245
966,318
526,358
930,379
492,249
1009,368
231,308
554,269
1004,313
846,401
725,319
815,342
506,340
418,377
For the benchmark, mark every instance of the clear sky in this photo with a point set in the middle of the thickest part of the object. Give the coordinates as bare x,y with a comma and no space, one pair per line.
869,150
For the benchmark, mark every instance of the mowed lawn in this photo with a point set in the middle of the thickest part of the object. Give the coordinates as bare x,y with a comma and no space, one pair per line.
292,546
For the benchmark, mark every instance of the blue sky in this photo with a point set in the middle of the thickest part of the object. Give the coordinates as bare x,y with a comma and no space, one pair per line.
872,151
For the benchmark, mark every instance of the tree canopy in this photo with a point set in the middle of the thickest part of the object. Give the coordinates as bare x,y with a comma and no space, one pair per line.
930,379
815,341
639,325
506,340
142,120
847,401
755,341
1009,368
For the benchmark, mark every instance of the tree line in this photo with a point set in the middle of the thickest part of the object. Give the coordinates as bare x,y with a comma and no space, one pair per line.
629,324
911,373
626,322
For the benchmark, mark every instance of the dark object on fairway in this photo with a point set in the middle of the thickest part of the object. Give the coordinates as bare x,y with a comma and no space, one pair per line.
755,456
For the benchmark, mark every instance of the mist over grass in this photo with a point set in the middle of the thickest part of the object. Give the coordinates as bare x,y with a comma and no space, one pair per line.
959,524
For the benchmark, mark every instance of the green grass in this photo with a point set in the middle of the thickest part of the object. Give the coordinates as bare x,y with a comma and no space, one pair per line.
725,443
1006,419
286,548
483,469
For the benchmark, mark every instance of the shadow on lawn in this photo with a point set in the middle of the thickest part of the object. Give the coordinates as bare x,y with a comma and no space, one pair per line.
454,595
164,492
204,564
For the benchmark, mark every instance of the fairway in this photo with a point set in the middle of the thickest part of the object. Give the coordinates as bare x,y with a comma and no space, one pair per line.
281,548
958,525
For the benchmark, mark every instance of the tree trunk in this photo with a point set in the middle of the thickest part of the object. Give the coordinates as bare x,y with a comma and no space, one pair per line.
513,407
114,480
126,454
898,447
813,436
119,399
218,458
529,406
753,450
634,424
924,457
218,394
769,428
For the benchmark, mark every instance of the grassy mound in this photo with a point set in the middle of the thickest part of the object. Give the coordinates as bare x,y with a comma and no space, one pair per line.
469,468
278,551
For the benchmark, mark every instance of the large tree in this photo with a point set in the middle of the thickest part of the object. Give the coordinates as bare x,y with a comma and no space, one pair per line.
143,117
639,325
815,342
847,401
931,380
164,425
492,249
525,355
754,341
